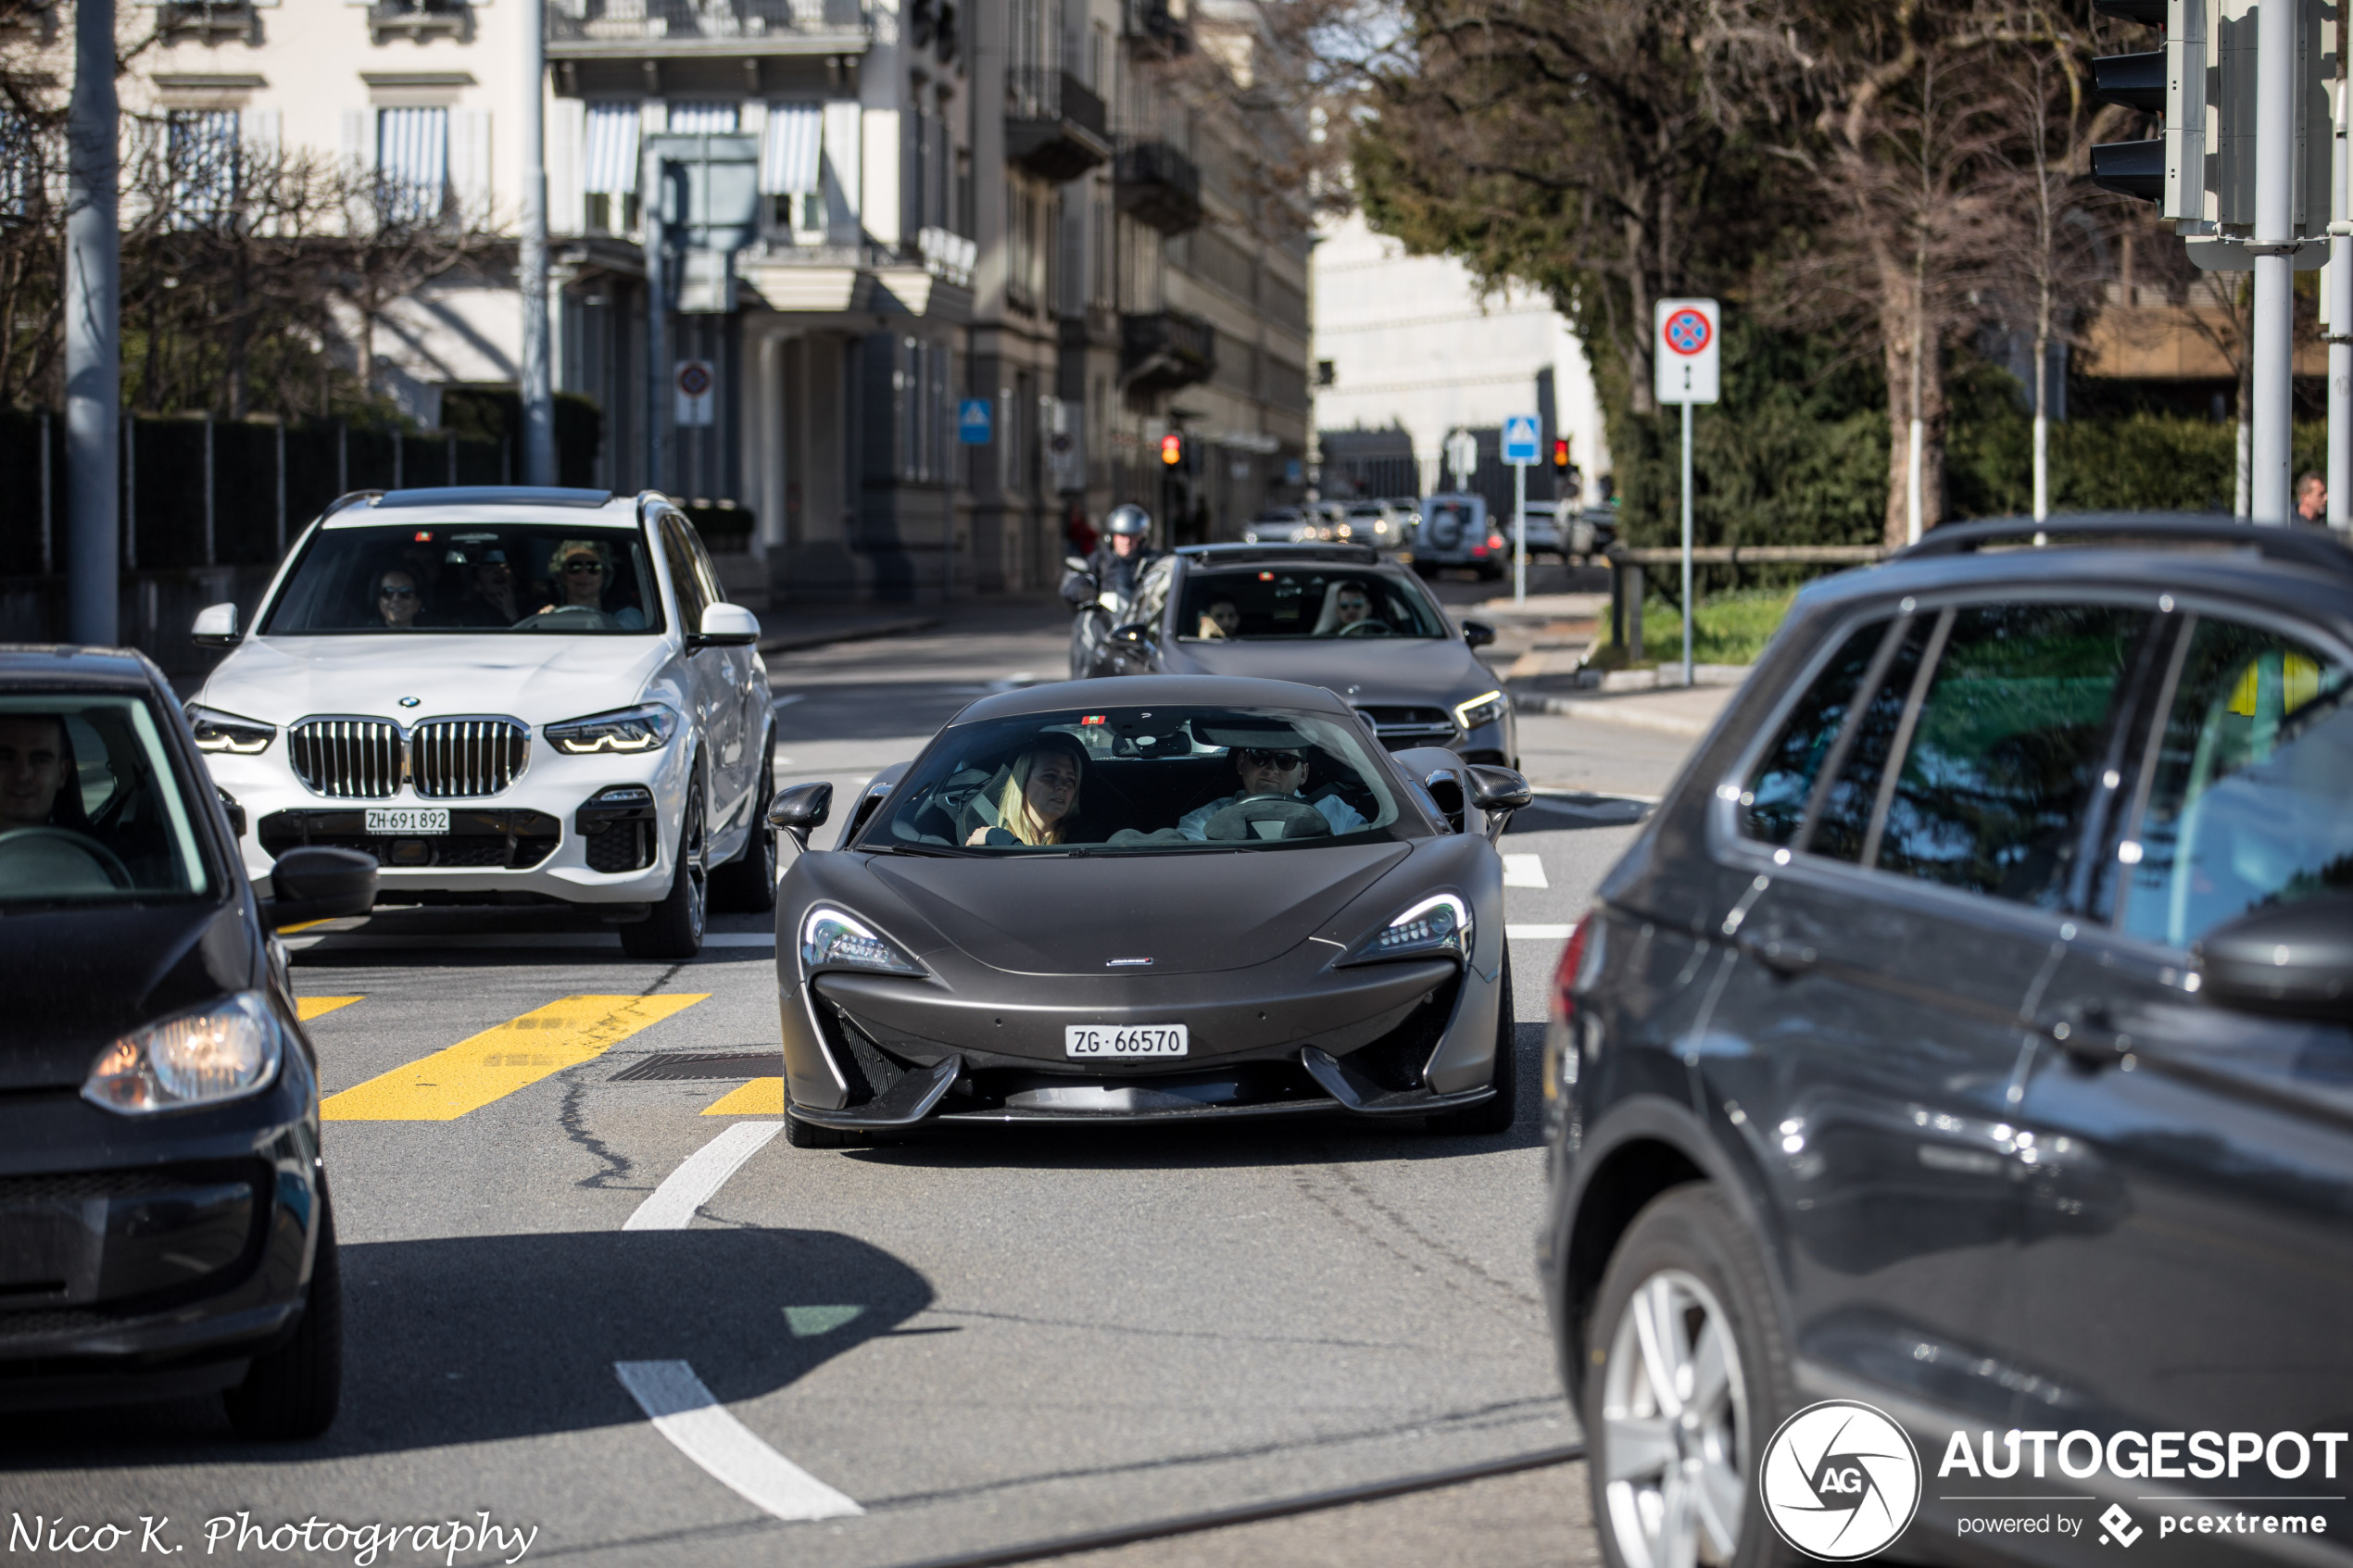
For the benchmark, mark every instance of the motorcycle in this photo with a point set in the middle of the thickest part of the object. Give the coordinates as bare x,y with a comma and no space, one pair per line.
1095,610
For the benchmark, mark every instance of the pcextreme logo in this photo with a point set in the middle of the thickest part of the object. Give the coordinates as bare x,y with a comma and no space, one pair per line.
1840,1480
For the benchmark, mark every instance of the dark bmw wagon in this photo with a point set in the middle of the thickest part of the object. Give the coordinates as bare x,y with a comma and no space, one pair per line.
1970,1033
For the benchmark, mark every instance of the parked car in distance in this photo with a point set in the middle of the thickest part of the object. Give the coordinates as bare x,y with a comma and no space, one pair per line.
1278,525
1376,524
1970,1032
1543,530
165,1227
1455,532
504,696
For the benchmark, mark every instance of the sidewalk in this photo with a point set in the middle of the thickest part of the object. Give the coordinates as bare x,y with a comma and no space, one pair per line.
1676,710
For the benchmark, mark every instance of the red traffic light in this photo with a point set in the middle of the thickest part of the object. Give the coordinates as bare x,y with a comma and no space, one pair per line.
1560,452
1172,449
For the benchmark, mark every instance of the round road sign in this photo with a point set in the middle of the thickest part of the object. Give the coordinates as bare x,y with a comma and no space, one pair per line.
1687,332
694,378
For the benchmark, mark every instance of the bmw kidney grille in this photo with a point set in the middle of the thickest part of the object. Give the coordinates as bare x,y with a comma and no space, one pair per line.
461,757
347,758
441,759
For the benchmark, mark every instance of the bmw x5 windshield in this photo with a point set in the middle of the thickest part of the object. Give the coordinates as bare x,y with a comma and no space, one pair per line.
417,577
1155,779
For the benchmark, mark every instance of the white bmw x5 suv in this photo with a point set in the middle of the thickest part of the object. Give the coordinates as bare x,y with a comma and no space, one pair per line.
505,696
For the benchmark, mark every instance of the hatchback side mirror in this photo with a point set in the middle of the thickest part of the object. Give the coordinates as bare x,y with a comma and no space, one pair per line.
1477,634
313,881
800,810
2293,960
726,626
215,627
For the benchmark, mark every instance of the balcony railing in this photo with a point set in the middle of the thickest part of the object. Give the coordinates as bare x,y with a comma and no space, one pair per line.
419,19
209,21
1157,184
577,28
1164,350
1053,124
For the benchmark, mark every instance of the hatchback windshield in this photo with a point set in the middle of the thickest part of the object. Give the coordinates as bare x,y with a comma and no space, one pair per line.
1324,602
90,807
1153,779
417,577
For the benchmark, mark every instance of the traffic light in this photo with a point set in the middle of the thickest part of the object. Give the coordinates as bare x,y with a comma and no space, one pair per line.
1172,449
2140,81
1560,454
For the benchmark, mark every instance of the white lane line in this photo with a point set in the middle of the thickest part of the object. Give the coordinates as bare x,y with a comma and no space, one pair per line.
1523,871
672,1205
1533,933
700,1427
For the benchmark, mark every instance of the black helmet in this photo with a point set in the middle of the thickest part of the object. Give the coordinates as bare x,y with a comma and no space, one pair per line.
1128,519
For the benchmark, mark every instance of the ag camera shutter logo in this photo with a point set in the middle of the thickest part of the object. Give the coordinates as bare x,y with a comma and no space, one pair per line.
1839,1480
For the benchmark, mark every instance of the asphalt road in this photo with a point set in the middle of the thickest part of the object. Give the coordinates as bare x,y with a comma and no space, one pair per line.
915,1352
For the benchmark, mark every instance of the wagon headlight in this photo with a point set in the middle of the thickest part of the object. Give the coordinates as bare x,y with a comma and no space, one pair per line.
830,939
218,1053
218,732
1438,924
644,728
1482,710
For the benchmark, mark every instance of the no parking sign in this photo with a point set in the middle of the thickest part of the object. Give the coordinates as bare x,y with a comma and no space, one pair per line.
1684,351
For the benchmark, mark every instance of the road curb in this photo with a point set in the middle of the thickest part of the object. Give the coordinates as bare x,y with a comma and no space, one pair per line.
1608,712
793,643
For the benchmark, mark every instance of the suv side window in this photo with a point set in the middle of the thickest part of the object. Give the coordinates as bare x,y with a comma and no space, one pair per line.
1773,801
1843,815
2002,748
2245,786
679,552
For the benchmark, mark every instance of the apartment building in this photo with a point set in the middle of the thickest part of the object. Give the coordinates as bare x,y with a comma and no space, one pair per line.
1007,200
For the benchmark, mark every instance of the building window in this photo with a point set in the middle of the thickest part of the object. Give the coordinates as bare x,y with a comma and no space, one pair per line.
202,147
704,117
609,168
412,164
792,171
1322,373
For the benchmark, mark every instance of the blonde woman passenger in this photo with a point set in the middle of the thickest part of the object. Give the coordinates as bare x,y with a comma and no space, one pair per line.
1038,802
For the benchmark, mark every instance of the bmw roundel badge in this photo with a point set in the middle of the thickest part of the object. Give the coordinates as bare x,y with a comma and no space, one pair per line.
409,702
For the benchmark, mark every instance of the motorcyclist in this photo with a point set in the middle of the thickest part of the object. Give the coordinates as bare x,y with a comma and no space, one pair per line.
1112,573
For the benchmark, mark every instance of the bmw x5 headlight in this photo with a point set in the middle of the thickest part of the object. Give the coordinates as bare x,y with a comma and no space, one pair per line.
229,1049
1482,710
218,732
1441,924
831,939
646,727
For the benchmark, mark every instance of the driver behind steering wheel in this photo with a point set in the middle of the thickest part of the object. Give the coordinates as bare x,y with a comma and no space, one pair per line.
1348,611
1276,768
35,762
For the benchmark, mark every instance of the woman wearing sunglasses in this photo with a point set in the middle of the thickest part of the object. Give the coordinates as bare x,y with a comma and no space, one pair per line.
1277,769
581,570
398,598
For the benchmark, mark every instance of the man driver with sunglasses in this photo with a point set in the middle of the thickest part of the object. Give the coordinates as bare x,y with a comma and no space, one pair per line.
1277,768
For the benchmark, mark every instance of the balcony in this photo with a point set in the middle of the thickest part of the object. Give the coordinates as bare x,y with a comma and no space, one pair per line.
1156,185
581,29
203,21
1164,350
418,19
1053,124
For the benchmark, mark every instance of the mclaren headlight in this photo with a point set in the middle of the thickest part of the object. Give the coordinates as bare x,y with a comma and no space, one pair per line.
646,727
1482,710
222,1052
1441,924
218,732
832,939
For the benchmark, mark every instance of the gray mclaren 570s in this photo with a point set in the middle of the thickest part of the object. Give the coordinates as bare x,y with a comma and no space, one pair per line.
1158,899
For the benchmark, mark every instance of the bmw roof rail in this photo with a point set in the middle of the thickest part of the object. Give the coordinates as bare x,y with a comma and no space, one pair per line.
2293,543
1308,549
496,494
350,498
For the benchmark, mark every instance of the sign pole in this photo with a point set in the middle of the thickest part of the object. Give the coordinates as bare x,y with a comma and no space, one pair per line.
1519,535
93,335
2273,325
1687,545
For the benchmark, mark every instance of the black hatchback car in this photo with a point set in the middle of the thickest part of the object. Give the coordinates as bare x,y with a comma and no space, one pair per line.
1970,1033
164,1224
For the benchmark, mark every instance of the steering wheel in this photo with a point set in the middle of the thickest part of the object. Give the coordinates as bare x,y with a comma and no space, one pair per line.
1291,817
542,618
1366,629
47,859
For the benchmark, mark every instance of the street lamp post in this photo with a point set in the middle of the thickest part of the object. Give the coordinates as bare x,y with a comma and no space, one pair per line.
93,332
537,378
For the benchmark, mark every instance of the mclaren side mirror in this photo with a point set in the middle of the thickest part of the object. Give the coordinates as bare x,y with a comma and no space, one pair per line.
726,626
316,883
2292,961
215,627
1498,791
800,810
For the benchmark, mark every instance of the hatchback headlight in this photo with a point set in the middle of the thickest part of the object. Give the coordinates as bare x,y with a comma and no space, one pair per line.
1484,709
646,727
1441,924
219,1053
218,732
830,939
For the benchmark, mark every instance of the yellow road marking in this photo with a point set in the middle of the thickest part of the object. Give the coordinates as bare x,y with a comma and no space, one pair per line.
762,1097
309,1007
494,1063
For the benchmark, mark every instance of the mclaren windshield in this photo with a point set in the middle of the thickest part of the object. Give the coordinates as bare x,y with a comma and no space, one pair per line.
1147,780
417,577
1252,604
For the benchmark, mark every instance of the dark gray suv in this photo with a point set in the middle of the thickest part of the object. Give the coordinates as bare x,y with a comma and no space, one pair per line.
1970,1036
